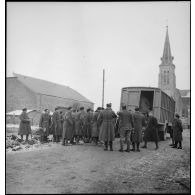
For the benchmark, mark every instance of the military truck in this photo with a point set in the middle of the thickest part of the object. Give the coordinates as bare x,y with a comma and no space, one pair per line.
151,99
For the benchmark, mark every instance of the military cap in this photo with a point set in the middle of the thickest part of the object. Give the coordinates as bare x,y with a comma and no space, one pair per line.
46,110
177,115
24,109
124,106
69,107
82,108
109,105
137,109
88,109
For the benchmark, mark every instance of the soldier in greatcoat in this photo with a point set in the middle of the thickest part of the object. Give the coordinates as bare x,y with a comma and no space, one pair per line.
151,131
56,126
74,111
177,132
95,126
78,130
24,128
82,119
125,127
45,123
139,122
67,127
89,117
107,127
61,122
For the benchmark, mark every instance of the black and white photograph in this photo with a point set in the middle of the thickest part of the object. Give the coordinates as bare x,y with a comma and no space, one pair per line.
98,97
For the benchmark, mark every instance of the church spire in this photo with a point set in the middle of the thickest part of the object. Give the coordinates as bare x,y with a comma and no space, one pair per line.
167,58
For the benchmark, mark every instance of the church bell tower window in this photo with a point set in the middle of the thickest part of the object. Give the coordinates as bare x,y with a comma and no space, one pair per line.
167,77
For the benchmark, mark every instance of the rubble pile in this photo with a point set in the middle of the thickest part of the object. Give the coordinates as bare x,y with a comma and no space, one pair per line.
14,143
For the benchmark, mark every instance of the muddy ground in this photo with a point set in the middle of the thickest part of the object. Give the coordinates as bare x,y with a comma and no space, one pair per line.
88,169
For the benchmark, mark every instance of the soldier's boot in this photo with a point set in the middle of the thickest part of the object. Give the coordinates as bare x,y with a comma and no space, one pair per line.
77,139
63,142
106,146
145,145
110,143
44,138
41,139
133,144
138,150
128,146
22,137
180,145
175,145
27,138
121,146
172,144
96,140
156,145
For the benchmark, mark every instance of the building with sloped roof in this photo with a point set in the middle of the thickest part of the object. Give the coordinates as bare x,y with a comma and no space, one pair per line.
24,91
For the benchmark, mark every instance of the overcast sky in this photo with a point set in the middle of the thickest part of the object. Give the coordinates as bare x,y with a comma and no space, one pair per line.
71,43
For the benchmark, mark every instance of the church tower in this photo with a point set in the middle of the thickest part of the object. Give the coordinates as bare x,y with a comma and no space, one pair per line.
167,79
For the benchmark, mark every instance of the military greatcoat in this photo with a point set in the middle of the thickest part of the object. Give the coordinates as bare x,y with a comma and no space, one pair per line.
56,126
177,130
95,126
107,126
89,118
45,122
68,132
139,122
82,119
78,130
125,122
24,128
151,131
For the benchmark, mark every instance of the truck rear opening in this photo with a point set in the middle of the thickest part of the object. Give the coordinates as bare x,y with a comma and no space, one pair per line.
146,101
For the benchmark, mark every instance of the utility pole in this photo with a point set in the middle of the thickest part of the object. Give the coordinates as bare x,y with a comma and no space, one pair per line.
103,89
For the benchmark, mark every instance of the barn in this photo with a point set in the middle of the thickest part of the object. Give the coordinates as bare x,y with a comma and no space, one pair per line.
36,94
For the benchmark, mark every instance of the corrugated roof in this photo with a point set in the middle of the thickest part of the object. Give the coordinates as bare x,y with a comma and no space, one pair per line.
18,112
49,88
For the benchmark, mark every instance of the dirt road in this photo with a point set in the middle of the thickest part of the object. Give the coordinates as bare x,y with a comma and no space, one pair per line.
89,169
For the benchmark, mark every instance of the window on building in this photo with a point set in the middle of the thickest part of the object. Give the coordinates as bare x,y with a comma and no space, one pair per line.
167,77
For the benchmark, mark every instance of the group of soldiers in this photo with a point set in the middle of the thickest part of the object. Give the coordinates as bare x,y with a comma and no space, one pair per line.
75,126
